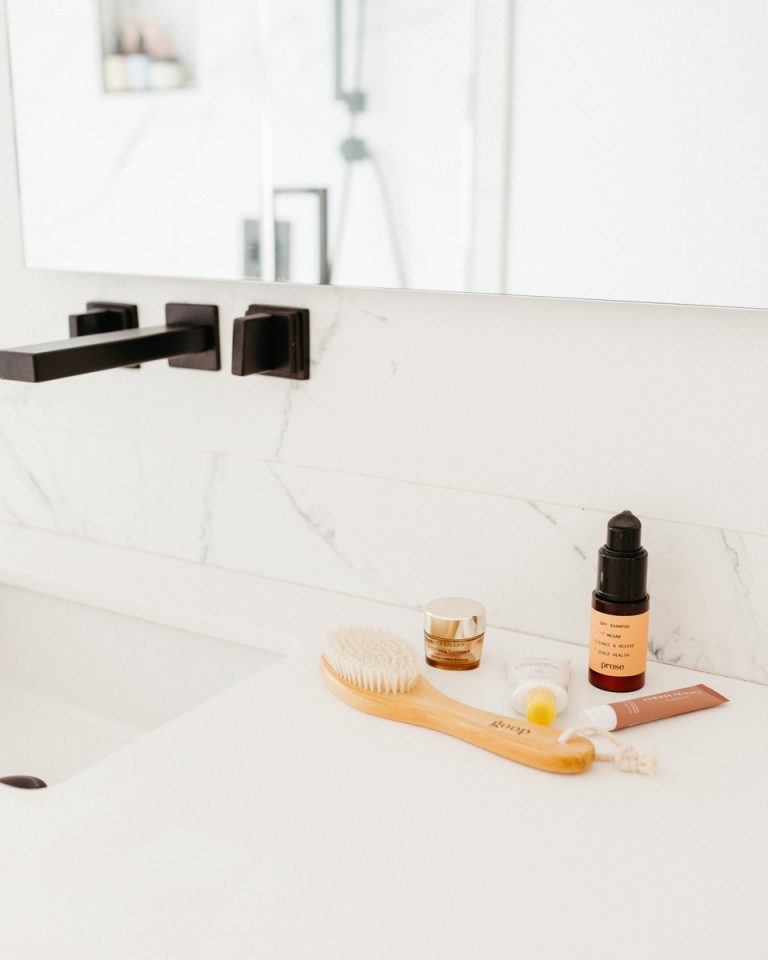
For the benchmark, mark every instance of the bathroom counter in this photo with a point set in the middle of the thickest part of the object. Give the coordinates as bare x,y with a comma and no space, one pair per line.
275,822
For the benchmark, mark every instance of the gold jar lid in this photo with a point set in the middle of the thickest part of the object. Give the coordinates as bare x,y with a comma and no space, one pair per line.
454,618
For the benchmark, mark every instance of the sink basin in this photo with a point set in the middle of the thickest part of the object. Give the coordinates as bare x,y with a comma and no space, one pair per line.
78,683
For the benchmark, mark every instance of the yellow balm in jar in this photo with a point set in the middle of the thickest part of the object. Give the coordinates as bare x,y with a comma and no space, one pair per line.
454,629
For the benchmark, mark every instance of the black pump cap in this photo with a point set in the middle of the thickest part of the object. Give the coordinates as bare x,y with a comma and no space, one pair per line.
622,564
624,532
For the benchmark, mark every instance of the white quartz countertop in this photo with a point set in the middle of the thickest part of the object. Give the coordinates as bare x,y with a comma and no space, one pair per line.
273,821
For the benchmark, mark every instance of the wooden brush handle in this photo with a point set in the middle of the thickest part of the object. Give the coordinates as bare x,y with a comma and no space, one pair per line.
510,737
527,743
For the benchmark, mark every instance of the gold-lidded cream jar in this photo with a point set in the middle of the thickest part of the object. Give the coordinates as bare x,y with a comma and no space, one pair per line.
454,629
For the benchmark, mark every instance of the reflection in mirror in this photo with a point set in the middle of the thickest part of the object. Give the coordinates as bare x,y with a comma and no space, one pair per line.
146,48
601,149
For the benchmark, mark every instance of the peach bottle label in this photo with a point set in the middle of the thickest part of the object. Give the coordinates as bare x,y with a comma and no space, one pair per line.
618,646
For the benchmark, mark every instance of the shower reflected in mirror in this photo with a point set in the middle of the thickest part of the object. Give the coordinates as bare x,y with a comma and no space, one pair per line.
540,147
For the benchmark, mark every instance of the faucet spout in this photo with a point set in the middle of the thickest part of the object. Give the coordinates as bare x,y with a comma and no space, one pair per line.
190,338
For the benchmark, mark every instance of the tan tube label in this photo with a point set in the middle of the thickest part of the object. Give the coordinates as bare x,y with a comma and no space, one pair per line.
618,646
671,703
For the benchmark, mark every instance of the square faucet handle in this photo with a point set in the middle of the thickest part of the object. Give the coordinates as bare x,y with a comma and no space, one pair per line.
273,341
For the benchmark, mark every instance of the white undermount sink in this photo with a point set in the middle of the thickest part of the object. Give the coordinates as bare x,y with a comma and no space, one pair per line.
78,683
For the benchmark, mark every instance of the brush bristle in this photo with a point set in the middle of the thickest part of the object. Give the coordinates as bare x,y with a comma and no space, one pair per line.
372,659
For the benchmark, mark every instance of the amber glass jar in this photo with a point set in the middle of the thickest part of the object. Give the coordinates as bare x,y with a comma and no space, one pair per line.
454,630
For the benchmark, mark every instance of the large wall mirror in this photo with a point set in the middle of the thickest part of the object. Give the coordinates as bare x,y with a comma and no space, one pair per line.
577,148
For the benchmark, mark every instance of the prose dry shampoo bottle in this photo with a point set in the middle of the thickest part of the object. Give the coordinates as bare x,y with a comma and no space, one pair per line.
618,640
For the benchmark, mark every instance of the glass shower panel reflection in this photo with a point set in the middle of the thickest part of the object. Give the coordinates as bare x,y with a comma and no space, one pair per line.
371,100
156,178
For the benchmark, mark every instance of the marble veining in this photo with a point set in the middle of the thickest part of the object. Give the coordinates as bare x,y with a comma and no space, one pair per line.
381,477
533,563
209,492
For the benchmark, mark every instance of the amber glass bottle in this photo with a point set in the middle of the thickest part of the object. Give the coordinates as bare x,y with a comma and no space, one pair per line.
618,642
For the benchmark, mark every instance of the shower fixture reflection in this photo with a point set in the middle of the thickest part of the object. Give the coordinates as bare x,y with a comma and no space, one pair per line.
354,148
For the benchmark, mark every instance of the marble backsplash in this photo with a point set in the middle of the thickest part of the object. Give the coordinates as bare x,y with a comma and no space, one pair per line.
380,479
532,563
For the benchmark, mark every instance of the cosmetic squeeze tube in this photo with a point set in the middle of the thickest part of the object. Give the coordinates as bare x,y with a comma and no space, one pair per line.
539,687
656,706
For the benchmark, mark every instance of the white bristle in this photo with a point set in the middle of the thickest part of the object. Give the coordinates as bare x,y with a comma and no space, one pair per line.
372,659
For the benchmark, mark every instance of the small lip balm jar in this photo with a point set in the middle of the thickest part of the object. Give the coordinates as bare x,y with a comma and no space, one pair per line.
454,629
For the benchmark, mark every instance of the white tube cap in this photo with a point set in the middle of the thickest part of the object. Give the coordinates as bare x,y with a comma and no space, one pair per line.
603,717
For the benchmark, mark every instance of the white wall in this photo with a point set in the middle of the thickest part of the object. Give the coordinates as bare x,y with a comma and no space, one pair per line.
639,150
445,444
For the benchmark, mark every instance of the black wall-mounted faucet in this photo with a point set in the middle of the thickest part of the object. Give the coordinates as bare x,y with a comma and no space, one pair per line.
107,335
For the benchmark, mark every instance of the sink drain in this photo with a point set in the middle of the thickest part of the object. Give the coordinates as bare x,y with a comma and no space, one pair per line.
24,782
